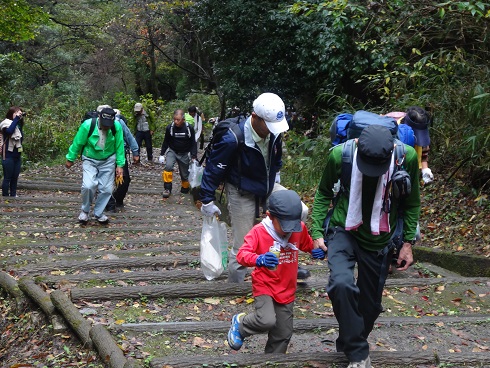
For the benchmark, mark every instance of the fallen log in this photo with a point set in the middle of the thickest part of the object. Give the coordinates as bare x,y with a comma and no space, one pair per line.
71,314
38,295
210,288
11,286
137,276
104,264
378,358
300,325
107,348
180,290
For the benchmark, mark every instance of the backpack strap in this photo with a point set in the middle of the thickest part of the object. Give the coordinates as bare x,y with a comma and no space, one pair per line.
90,131
187,126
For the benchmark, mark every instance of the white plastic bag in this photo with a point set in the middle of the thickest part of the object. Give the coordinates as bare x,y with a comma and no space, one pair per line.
195,174
214,247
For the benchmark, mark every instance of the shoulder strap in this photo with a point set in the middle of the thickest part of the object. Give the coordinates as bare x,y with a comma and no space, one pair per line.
92,127
399,154
348,151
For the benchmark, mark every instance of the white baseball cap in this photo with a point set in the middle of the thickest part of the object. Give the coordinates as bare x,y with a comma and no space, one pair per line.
138,107
270,107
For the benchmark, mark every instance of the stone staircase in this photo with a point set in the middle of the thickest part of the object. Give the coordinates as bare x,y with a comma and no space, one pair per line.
138,280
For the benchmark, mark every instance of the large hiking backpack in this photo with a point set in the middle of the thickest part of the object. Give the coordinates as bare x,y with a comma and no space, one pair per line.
219,131
338,129
363,119
347,126
400,184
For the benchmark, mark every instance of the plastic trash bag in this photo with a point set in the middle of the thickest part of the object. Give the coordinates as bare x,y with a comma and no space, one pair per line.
214,247
195,174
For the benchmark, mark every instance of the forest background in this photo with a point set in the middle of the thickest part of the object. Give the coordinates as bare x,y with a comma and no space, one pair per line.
59,59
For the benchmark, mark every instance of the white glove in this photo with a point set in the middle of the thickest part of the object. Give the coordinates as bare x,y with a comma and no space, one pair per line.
210,209
161,159
427,176
278,178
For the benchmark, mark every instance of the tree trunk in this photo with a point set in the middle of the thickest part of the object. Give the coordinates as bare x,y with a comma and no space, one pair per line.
9,284
71,314
38,295
107,348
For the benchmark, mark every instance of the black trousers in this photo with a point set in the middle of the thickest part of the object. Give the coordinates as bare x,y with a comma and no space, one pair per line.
118,195
146,137
356,305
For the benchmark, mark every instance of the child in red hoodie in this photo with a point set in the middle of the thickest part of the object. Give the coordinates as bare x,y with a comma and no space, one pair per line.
274,278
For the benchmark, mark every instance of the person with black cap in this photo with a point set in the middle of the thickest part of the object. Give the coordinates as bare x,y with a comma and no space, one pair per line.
101,148
418,119
272,248
360,232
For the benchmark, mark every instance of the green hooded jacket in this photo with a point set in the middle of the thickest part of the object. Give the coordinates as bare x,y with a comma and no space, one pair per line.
113,145
324,196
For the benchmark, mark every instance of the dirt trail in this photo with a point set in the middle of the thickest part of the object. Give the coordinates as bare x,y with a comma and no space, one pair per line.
139,277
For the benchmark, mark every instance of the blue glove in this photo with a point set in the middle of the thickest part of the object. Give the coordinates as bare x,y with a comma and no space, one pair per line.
318,253
268,260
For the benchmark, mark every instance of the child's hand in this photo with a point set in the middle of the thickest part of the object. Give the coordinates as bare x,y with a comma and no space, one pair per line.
318,253
268,260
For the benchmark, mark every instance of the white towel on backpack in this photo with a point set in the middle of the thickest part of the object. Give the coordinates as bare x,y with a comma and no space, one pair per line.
379,218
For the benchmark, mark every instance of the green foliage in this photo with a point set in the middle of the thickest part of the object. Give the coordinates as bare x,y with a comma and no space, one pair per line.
20,20
303,162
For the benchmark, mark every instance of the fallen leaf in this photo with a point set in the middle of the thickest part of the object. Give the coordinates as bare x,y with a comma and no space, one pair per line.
212,301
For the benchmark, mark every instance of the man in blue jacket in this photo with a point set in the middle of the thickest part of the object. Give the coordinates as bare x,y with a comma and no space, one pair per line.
249,169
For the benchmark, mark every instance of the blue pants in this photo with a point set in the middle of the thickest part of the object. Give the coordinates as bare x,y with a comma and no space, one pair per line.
11,171
97,175
356,305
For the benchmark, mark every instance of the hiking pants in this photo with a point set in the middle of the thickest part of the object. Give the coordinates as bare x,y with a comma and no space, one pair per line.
117,198
356,305
271,317
145,136
183,160
11,171
241,207
97,175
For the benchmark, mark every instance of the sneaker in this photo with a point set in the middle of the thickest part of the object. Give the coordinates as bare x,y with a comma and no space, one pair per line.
166,193
184,190
83,217
102,219
235,339
303,273
366,363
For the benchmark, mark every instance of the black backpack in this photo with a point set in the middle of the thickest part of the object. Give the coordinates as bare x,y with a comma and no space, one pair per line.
219,131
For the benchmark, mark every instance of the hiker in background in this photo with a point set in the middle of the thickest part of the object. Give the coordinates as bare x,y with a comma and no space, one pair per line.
11,139
144,123
195,119
178,144
248,166
101,151
272,247
418,119
116,202
359,234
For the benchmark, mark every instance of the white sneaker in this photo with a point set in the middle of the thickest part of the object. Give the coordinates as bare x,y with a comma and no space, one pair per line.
102,219
366,363
83,216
